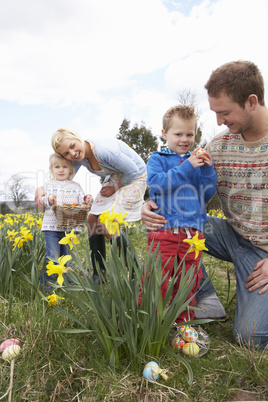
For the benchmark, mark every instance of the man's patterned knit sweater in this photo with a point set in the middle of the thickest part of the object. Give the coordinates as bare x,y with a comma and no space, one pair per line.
242,184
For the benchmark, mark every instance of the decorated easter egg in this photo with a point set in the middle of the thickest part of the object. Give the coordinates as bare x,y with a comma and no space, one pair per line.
7,343
178,342
151,371
11,352
191,349
201,150
190,335
183,328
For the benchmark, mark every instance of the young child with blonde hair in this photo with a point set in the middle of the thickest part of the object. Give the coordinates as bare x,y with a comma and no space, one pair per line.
180,182
62,189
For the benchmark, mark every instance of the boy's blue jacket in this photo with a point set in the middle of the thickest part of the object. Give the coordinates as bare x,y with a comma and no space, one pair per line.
179,189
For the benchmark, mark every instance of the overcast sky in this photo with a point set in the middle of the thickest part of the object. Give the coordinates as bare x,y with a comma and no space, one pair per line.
88,64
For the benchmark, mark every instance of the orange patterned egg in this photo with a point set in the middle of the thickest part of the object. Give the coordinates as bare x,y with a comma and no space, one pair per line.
190,335
201,150
183,328
178,343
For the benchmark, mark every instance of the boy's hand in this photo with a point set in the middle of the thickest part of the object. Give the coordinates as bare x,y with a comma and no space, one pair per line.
207,159
200,157
196,159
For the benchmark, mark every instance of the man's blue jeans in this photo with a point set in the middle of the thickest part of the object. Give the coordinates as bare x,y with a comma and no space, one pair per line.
251,316
52,245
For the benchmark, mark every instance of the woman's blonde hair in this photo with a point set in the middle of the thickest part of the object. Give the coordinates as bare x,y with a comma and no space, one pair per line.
54,158
61,134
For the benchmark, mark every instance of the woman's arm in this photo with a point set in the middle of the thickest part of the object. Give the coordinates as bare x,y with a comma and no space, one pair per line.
122,159
39,193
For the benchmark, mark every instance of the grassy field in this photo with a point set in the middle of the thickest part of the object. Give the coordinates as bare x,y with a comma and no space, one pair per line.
58,366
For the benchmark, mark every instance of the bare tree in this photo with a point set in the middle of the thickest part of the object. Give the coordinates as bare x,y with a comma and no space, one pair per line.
16,190
187,97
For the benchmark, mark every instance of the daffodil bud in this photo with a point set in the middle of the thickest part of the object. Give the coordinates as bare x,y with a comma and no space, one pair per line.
11,352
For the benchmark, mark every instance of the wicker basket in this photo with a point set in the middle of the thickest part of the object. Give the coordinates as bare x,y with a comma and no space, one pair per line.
70,216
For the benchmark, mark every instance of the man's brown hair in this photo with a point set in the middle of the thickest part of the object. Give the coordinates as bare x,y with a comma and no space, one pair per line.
237,79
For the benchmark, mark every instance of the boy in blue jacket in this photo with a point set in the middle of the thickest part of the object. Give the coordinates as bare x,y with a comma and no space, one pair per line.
180,182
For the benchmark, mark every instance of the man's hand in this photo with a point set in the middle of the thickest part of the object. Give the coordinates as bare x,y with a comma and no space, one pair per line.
259,277
150,219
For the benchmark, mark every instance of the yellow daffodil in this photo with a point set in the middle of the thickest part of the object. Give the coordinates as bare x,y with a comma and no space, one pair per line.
11,234
28,236
59,269
112,221
26,233
70,239
18,242
54,299
9,221
39,223
30,221
196,244
216,212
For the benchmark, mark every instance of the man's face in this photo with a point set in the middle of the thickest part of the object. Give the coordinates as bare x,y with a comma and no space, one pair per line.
230,113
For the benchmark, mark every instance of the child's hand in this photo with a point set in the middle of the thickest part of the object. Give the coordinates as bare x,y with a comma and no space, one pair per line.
88,199
107,191
52,199
207,159
197,159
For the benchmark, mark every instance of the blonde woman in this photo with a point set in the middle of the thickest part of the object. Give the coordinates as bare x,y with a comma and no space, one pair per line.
123,189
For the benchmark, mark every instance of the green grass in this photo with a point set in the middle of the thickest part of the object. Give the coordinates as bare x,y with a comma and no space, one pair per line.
56,366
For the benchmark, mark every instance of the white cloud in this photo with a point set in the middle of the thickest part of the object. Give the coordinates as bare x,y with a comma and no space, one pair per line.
71,56
14,139
71,51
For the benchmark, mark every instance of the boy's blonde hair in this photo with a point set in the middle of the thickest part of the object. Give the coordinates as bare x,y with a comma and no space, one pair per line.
54,158
183,111
61,134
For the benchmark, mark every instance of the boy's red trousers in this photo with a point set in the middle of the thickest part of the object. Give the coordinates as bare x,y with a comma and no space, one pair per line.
171,245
